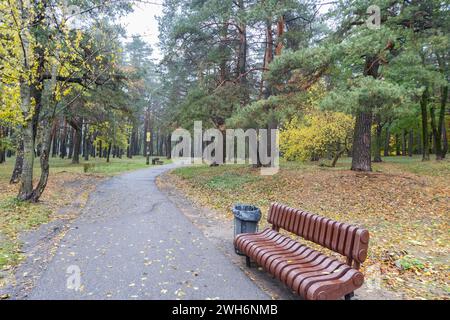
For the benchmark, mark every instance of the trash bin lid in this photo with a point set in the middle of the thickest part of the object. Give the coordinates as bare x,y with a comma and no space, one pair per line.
246,212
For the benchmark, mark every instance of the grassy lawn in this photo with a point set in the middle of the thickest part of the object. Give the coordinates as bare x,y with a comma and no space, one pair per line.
404,204
67,182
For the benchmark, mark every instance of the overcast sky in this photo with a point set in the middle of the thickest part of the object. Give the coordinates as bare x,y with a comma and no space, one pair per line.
143,22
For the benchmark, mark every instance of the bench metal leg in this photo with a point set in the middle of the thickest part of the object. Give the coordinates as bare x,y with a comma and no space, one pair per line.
349,296
248,262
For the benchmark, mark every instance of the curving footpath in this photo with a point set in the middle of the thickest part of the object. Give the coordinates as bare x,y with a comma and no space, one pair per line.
132,242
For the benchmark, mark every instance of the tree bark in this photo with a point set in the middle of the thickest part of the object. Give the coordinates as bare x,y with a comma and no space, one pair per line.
76,144
169,146
242,55
439,126
62,142
379,130
411,142
26,178
15,177
108,152
404,142
71,143
387,142
45,168
268,58
54,139
361,160
86,143
425,137
3,134
444,141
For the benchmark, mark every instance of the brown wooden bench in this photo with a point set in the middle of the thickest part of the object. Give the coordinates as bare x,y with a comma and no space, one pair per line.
157,161
309,273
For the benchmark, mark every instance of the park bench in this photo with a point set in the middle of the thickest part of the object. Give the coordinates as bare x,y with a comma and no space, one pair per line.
157,161
309,273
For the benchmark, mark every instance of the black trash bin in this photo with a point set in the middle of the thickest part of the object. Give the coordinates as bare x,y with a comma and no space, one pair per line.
246,218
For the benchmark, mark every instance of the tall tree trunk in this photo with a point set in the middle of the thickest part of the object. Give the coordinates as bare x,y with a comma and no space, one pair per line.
268,58
438,127
15,177
76,144
71,142
361,160
425,137
55,139
3,134
87,143
63,141
100,149
397,145
108,152
146,124
242,55
169,146
45,168
387,142
444,141
411,142
404,142
223,69
379,130
26,178
160,148
9,151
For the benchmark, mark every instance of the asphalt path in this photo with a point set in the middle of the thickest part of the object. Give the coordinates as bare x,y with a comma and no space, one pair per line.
132,242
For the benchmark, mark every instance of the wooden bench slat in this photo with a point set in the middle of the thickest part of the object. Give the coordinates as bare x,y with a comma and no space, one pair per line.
269,248
300,282
302,285
283,250
274,261
320,263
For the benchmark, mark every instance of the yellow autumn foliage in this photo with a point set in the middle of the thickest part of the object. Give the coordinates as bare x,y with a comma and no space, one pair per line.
316,135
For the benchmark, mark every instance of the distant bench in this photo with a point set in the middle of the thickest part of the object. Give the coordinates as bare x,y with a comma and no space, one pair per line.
311,274
157,161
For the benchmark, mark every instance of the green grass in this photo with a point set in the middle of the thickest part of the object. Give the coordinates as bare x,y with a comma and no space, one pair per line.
232,177
218,178
230,181
16,216
97,166
392,164
9,253
410,263
417,166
